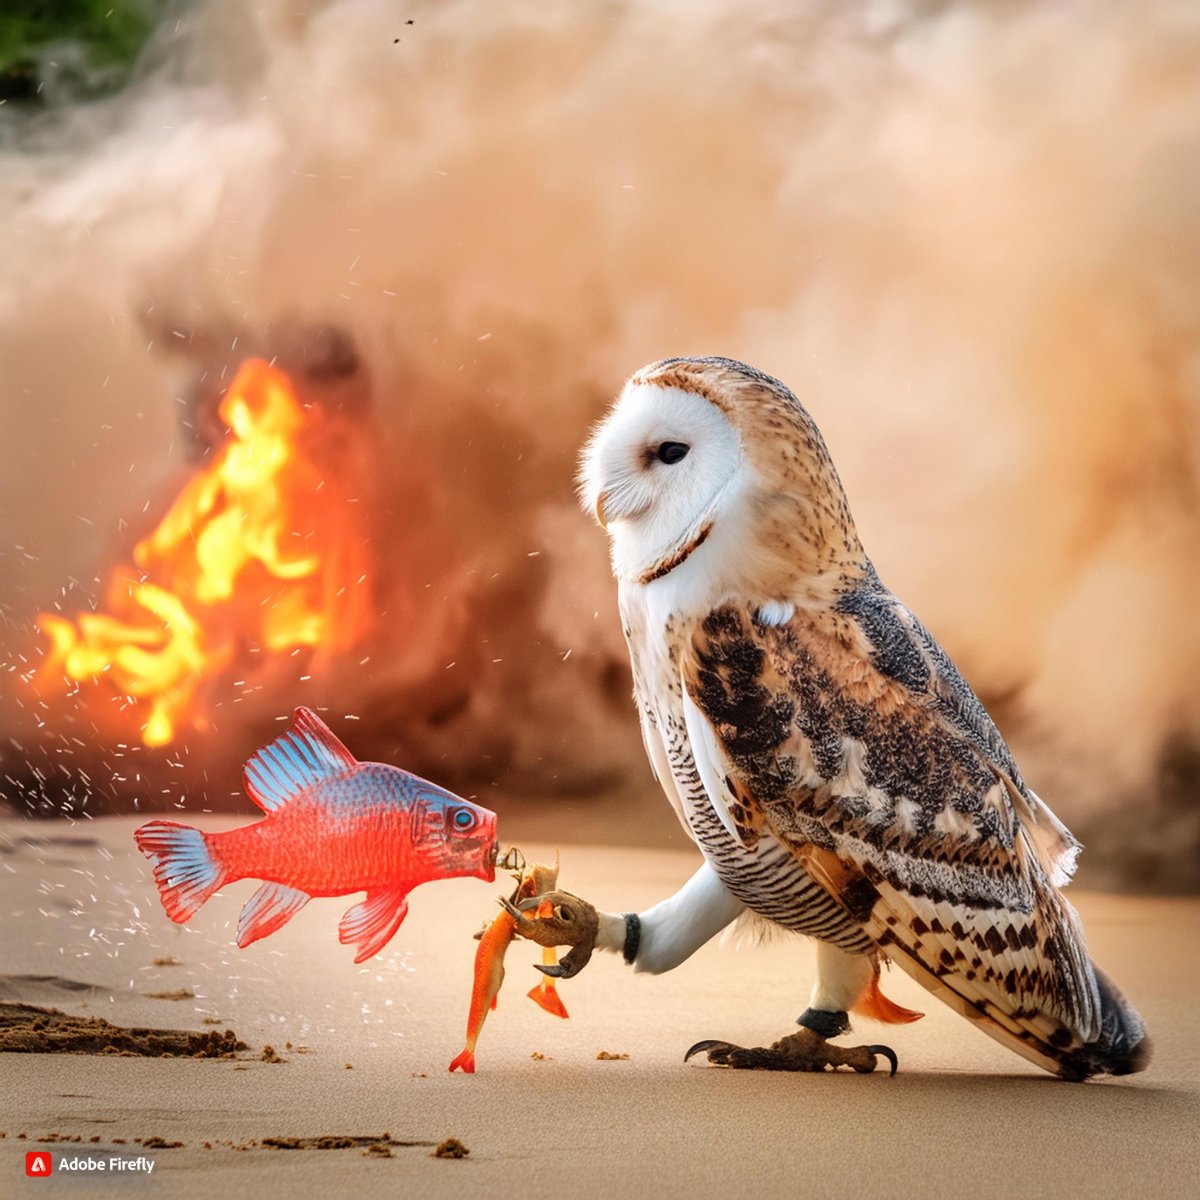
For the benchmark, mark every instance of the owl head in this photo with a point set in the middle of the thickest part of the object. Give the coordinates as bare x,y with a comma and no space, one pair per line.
705,470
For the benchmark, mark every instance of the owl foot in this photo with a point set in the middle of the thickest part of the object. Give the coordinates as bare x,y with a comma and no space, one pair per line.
803,1051
567,921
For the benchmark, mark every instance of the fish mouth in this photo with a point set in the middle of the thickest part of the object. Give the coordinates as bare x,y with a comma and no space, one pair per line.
488,871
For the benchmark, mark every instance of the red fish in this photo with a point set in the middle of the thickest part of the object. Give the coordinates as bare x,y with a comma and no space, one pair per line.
489,966
333,826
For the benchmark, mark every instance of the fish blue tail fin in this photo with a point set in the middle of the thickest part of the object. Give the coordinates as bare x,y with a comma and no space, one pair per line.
185,869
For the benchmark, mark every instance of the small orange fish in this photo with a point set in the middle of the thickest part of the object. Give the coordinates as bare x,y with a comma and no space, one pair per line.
489,965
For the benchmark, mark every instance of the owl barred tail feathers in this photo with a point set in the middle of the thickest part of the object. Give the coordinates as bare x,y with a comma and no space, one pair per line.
837,772
1120,1046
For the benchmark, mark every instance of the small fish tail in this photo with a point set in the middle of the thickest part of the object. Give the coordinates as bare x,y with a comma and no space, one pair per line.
464,1062
875,1006
185,867
546,996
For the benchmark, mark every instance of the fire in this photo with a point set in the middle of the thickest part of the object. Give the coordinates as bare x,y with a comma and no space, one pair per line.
258,551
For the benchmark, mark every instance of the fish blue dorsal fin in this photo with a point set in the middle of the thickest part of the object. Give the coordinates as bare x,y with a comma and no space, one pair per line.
308,753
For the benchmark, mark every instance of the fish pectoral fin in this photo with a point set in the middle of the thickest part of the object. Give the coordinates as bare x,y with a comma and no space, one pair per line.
269,909
372,923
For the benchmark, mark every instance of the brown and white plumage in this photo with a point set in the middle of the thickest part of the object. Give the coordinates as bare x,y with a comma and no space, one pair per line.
838,774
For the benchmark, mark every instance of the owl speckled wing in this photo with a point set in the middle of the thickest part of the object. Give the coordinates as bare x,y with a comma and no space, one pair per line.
851,735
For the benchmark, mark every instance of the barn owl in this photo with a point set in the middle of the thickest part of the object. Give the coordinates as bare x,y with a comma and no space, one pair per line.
837,773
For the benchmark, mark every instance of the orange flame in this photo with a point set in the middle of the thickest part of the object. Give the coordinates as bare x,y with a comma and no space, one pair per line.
259,548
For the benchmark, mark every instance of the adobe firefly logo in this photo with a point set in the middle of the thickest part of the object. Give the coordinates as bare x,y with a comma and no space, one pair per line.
38,1164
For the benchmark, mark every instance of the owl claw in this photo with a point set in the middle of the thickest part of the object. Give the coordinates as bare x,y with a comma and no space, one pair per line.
525,925
560,920
569,965
703,1047
888,1053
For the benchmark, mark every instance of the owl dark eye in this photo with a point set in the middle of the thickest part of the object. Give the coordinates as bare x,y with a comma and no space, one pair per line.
463,818
671,452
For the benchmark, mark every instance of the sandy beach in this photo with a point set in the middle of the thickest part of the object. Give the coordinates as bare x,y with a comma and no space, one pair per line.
365,1050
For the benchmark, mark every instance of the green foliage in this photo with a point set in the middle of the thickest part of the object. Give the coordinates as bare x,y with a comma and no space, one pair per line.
86,46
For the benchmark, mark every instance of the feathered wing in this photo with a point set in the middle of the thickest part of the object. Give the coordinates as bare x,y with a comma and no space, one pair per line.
926,669
660,768
858,745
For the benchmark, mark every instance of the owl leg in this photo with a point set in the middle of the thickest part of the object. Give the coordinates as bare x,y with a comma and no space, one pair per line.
842,981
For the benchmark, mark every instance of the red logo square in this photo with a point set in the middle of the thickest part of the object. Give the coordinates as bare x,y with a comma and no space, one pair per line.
38,1164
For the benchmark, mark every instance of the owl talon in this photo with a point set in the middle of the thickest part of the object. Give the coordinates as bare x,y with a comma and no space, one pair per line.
558,919
710,1047
526,926
803,1051
886,1052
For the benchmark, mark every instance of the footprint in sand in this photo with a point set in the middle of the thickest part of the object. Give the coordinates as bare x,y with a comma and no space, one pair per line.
43,989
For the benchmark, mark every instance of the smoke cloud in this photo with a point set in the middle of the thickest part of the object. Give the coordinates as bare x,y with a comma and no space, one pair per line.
965,235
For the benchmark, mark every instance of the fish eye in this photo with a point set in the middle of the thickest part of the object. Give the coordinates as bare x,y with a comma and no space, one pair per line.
671,452
463,818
